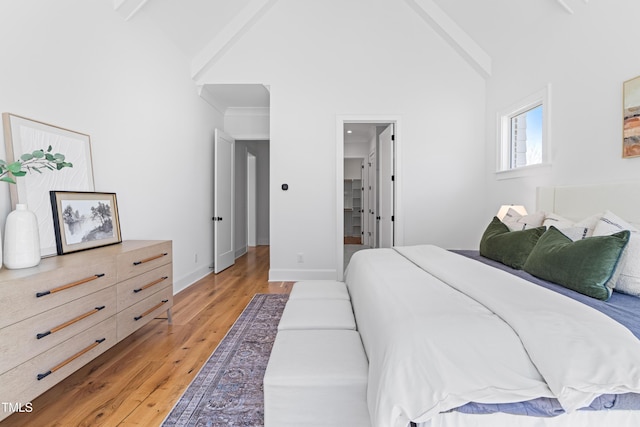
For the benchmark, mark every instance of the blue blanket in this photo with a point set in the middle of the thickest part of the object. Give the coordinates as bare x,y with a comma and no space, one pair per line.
620,307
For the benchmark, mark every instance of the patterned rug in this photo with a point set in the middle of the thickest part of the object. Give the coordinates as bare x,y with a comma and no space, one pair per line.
228,389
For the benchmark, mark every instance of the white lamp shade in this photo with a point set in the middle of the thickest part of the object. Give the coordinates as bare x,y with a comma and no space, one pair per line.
505,208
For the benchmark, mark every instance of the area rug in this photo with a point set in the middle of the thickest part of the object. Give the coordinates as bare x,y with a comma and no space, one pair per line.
228,389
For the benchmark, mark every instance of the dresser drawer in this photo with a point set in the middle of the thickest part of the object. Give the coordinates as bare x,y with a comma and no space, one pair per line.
46,288
21,384
138,315
134,262
28,338
140,287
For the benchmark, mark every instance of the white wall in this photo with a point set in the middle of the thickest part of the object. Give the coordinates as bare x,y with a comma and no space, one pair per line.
247,123
356,150
374,57
585,57
353,168
77,64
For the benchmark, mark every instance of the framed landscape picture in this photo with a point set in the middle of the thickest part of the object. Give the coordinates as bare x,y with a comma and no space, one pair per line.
84,220
631,111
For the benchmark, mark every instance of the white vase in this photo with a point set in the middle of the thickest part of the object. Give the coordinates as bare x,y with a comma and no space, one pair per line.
21,239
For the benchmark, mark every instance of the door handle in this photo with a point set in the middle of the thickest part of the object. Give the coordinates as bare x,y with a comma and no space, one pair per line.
217,218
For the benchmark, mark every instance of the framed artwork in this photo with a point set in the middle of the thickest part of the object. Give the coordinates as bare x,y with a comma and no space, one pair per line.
22,135
84,220
631,110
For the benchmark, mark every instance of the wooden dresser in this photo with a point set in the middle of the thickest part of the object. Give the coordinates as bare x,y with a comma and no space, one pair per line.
56,317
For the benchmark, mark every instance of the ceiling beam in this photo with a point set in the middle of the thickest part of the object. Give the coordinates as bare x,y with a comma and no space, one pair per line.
565,6
229,35
431,13
128,8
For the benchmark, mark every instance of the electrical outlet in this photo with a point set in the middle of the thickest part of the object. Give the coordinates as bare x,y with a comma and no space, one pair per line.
300,258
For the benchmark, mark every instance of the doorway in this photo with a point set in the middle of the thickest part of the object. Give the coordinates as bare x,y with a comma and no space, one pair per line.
246,111
373,142
252,195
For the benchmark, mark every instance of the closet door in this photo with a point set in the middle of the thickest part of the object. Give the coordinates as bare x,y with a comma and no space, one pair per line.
372,209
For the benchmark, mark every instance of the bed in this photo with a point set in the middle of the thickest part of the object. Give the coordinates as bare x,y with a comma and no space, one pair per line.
454,339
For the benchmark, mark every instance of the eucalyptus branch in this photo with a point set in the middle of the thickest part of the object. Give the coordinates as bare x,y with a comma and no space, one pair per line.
38,161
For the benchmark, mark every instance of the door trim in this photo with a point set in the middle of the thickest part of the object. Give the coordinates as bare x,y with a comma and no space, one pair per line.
341,120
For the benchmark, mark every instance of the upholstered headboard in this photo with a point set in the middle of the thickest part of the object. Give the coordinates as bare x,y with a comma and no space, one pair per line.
578,202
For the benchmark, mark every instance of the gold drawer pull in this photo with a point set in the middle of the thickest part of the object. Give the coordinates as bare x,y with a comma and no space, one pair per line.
150,258
71,359
69,285
164,301
148,285
69,323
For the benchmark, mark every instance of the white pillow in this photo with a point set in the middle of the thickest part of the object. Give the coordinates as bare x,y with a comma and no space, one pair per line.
575,231
589,224
515,221
627,275
557,221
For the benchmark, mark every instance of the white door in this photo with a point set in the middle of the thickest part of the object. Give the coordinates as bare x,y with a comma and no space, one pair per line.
362,199
386,182
251,200
223,201
371,208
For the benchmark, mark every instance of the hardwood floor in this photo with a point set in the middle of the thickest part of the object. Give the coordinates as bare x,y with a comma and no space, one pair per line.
137,382
351,240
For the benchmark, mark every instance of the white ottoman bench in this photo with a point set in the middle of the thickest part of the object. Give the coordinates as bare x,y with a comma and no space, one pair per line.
317,314
313,289
316,378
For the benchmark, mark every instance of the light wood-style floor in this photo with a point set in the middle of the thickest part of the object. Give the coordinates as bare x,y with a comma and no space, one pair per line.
137,382
351,240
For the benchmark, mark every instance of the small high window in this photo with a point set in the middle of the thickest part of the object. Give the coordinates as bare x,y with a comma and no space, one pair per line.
526,138
523,137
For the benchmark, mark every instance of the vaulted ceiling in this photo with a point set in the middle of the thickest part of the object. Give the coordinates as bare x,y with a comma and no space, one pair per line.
494,23
205,29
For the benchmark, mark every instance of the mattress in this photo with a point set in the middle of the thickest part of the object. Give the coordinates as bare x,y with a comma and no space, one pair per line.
441,331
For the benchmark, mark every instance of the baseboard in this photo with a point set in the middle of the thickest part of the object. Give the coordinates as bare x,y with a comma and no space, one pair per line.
275,275
262,242
191,278
282,275
238,253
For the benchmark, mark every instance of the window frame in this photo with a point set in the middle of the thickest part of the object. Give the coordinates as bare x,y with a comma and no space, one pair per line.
504,144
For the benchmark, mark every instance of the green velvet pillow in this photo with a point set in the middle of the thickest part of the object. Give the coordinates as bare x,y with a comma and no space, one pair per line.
511,248
584,265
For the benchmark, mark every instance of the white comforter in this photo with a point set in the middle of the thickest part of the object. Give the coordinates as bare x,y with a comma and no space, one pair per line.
441,330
